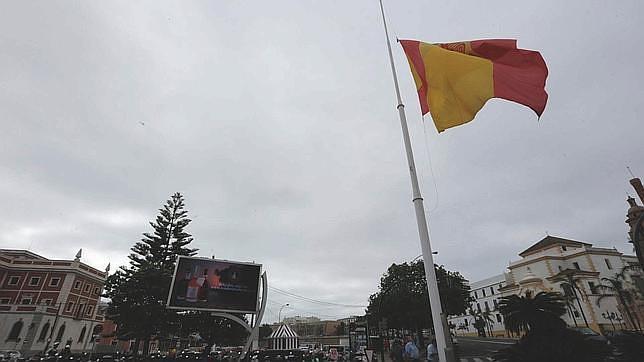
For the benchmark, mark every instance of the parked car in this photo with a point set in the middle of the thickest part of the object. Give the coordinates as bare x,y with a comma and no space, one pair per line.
590,334
627,345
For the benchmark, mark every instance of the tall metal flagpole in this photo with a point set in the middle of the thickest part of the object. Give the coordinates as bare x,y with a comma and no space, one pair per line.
430,273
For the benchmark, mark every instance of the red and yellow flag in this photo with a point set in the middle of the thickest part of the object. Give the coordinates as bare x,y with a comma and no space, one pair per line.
454,80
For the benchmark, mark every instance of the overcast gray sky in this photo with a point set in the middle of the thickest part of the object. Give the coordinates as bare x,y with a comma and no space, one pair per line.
277,121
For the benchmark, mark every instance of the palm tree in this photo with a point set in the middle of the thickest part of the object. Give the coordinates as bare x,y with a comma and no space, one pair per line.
533,314
546,338
616,286
571,285
568,299
479,322
486,315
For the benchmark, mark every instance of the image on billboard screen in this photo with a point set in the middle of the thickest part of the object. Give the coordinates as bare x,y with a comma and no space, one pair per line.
217,285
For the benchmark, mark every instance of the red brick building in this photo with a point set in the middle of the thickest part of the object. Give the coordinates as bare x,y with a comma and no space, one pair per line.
43,301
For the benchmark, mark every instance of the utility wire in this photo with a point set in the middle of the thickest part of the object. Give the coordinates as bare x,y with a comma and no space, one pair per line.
284,292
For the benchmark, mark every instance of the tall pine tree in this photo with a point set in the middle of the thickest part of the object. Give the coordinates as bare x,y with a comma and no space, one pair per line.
138,292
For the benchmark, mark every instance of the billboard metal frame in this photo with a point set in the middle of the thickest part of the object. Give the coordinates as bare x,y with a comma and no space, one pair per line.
226,313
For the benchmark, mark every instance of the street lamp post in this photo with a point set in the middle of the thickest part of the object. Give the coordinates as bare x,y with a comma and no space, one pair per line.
279,315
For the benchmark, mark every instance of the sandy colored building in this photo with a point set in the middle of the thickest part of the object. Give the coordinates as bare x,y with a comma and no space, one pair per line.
550,265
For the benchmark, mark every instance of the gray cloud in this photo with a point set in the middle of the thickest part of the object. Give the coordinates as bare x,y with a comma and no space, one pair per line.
277,122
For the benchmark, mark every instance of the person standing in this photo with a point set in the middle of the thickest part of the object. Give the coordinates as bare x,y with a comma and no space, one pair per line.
396,353
432,351
411,351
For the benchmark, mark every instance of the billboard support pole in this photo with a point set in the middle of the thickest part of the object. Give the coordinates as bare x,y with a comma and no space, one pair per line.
252,330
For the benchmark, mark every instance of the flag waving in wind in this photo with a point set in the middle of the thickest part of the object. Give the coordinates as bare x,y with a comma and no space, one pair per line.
454,80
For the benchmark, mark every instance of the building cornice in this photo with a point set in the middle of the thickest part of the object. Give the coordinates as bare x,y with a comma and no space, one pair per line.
65,266
593,251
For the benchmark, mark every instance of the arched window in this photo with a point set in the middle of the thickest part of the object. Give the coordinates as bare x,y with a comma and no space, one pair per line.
15,331
81,338
61,331
96,332
43,332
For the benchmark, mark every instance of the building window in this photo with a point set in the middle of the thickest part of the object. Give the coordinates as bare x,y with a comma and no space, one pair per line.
466,323
26,300
498,318
483,290
77,285
90,309
576,265
13,280
96,332
563,247
61,331
5,300
593,289
610,267
81,337
487,306
15,331
54,282
43,332
70,307
576,314
34,281
81,309
478,307
96,290
496,304
476,295
46,301
491,290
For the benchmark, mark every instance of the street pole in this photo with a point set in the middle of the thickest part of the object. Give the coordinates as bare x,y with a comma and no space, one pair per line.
430,273
279,314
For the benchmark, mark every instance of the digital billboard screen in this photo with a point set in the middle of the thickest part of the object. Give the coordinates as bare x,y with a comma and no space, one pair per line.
214,285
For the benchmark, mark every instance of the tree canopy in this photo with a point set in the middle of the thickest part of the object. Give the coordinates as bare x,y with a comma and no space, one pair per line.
533,313
402,298
138,291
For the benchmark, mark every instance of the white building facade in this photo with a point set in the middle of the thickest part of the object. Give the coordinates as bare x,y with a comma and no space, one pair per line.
485,294
551,265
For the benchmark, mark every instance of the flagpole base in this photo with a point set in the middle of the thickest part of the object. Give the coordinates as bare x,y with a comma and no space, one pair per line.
450,354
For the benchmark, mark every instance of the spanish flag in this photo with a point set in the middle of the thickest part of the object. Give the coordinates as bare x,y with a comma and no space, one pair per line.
454,80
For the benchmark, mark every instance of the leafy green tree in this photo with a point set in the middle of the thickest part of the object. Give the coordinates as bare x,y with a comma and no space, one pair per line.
138,292
403,300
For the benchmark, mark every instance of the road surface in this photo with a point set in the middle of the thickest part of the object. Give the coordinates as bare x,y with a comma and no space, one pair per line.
471,349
